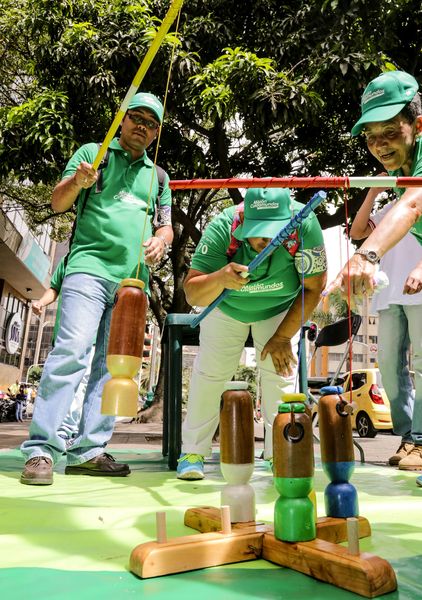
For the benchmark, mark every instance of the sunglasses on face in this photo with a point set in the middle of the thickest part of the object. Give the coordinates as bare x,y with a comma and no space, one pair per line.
138,120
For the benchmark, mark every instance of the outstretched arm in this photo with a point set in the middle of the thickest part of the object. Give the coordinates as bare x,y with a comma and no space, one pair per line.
361,227
394,226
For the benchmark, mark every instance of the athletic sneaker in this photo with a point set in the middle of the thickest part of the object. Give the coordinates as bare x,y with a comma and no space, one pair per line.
190,466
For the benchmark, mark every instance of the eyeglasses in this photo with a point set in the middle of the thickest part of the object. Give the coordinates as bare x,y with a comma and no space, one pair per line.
138,120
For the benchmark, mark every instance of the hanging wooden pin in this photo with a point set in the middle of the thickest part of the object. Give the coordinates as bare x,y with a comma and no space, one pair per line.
125,347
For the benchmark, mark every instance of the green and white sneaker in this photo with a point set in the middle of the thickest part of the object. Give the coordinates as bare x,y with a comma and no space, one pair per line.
190,466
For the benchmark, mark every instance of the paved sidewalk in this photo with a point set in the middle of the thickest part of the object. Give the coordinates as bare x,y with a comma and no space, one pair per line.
126,435
149,435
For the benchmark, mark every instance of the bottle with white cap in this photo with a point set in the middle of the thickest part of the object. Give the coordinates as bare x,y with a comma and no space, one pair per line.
237,450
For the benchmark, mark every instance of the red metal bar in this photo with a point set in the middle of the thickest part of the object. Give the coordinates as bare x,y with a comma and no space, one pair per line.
255,182
409,182
290,182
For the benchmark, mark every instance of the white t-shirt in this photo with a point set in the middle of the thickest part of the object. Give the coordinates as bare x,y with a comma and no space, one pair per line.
397,264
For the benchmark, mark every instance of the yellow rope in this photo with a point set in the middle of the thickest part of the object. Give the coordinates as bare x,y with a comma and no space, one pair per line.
157,147
152,51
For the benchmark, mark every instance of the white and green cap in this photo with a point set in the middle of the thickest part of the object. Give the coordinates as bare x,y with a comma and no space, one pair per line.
266,210
149,101
384,97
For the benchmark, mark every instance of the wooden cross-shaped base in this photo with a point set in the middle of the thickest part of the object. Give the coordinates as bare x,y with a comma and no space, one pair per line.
362,573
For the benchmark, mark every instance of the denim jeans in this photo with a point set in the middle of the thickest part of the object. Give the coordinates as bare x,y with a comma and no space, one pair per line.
222,340
69,429
400,326
87,303
19,410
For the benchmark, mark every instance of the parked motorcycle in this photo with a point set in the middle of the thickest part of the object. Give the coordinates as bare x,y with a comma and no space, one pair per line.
7,408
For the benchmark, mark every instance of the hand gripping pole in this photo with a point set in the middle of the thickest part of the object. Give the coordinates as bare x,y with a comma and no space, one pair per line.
283,234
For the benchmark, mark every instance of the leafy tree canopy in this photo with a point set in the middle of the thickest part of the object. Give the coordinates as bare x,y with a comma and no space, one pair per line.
262,88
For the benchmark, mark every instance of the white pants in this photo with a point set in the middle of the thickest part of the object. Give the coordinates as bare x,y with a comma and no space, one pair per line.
221,343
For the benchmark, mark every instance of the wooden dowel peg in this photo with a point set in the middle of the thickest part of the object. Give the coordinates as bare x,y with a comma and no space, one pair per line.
160,519
353,536
226,526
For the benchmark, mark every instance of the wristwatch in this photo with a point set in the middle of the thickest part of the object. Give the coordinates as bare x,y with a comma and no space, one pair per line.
370,255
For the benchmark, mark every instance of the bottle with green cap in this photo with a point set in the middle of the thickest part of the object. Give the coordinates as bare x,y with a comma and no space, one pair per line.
293,467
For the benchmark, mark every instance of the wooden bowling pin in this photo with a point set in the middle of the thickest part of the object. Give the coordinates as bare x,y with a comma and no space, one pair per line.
299,397
237,451
125,346
293,467
337,455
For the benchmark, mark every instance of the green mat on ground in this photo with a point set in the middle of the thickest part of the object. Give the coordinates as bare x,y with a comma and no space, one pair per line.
74,538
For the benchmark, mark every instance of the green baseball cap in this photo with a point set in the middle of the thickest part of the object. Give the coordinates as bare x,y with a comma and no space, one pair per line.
384,97
266,211
149,101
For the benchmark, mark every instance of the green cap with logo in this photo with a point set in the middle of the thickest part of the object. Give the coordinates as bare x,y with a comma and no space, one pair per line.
266,210
384,97
148,101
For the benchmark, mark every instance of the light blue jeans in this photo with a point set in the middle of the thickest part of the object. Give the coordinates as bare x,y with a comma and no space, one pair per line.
87,303
399,327
69,429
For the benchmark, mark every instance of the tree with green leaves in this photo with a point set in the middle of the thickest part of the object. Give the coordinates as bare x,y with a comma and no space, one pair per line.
257,89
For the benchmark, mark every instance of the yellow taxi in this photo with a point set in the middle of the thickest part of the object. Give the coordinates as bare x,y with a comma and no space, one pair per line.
371,407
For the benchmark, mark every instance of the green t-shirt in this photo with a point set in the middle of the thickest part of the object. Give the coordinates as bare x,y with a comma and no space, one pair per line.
275,284
415,171
58,276
56,283
114,224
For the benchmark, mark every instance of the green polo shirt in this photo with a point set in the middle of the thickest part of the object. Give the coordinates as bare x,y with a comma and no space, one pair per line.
115,222
415,171
275,284
56,283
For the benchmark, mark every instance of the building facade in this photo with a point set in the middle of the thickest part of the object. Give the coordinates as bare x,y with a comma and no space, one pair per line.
25,270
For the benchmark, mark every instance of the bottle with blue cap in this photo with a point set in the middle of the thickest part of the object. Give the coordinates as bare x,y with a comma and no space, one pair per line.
337,454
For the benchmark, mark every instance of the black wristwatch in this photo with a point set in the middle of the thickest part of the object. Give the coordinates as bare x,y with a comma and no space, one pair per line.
370,255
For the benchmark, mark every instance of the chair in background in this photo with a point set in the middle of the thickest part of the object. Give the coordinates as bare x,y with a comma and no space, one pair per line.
341,332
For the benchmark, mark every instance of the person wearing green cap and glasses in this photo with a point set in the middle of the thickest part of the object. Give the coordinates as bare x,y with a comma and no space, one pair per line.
391,121
104,250
268,304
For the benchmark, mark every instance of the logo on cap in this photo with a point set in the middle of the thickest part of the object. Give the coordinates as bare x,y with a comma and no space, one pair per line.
263,204
372,95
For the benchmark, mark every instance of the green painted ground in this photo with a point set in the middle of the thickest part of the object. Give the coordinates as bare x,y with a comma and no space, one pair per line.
74,539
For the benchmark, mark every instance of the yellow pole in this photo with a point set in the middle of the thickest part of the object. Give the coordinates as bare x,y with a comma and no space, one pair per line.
152,51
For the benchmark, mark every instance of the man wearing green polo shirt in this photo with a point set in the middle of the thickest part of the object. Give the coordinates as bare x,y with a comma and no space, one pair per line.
391,122
268,303
112,221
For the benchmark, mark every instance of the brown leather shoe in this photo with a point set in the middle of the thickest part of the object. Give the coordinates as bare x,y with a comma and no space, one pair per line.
102,465
402,451
38,471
